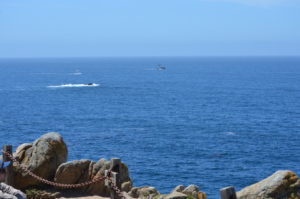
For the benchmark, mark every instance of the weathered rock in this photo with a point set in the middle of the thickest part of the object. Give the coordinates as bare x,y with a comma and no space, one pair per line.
126,195
143,192
201,195
42,194
191,190
179,188
126,186
20,152
176,195
42,157
7,196
73,172
79,171
8,192
98,170
280,185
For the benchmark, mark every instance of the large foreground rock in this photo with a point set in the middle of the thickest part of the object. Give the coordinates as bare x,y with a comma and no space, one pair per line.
42,157
79,171
280,185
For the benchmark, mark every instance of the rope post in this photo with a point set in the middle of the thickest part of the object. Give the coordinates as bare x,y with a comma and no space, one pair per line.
8,149
8,169
115,165
228,193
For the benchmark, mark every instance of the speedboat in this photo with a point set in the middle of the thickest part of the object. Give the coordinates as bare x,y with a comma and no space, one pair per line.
91,84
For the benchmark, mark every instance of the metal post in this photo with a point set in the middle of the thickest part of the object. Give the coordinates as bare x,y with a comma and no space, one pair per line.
115,168
228,193
8,149
113,178
8,169
115,165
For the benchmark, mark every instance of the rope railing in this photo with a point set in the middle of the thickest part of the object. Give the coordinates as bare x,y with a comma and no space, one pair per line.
110,182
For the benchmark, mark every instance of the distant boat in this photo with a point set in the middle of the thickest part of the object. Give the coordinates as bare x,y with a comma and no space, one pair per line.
160,67
91,84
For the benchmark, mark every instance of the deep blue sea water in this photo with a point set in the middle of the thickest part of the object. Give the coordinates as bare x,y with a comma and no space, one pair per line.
212,122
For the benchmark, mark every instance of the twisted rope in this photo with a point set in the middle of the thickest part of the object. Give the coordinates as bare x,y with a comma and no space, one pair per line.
67,186
55,184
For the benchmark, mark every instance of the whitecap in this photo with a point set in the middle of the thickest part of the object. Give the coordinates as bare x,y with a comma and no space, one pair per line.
74,85
76,73
45,73
230,133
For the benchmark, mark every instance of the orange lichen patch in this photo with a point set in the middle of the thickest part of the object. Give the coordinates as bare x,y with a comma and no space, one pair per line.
201,195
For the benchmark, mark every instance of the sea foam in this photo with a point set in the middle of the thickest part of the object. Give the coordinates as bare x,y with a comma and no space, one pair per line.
73,85
230,133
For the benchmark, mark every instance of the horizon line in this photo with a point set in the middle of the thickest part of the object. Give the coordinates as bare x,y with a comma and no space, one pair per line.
149,56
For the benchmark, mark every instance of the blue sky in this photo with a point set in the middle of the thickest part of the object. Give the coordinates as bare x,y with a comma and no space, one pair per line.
97,28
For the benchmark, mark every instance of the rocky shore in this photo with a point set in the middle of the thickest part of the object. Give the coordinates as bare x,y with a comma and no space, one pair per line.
47,158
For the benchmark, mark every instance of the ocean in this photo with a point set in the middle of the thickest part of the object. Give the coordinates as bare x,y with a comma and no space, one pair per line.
209,121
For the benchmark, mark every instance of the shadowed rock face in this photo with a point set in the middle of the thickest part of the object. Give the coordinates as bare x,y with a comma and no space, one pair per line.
280,185
42,157
79,171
